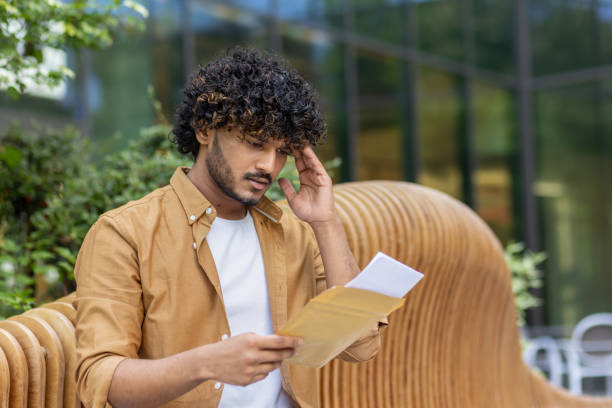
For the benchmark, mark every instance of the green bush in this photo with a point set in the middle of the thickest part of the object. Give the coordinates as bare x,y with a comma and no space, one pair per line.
51,192
34,166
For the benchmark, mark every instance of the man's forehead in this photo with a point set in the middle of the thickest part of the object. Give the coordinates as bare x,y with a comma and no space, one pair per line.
278,143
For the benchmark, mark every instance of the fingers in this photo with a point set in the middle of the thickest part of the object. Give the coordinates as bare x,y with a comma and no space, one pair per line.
275,341
310,159
266,368
287,188
276,356
299,160
306,158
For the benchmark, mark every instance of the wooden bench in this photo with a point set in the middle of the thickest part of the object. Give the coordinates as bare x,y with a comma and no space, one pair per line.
454,343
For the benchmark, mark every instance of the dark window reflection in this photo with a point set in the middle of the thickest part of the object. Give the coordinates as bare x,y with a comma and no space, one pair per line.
379,142
321,62
439,108
574,190
496,152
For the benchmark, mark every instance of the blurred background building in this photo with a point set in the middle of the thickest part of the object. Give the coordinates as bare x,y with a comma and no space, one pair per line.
505,105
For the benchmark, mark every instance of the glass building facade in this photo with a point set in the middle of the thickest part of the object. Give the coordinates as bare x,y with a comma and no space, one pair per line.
505,105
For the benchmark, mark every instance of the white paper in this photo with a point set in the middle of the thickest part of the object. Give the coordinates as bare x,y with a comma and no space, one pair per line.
387,276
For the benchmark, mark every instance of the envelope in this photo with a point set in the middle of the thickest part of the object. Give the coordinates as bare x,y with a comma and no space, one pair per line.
332,321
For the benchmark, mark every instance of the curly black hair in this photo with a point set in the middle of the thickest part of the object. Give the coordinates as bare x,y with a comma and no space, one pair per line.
253,91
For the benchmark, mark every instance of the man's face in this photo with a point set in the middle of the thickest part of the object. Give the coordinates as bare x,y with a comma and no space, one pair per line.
244,169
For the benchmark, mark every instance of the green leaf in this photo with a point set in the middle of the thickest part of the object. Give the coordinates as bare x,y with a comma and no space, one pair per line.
66,254
10,155
13,92
42,255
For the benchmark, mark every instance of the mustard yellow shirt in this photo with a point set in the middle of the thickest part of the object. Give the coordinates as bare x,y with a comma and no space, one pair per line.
147,287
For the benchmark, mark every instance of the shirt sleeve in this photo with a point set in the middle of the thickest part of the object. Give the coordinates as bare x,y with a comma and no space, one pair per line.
109,309
367,345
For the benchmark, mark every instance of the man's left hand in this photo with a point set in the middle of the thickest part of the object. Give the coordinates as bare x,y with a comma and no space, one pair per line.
314,203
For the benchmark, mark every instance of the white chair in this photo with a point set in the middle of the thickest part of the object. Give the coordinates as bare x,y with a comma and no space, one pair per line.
545,354
590,351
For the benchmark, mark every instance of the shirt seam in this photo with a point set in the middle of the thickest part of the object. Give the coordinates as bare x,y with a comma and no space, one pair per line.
161,193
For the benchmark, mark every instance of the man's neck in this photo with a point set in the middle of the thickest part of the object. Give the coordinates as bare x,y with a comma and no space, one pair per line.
226,207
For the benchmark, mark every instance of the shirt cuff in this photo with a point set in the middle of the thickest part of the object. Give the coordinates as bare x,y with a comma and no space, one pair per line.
367,345
94,392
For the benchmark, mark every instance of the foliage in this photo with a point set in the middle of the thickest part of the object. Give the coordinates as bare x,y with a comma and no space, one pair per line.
525,276
30,28
51,192
33,167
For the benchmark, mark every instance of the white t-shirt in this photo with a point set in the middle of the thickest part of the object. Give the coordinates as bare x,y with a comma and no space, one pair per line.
237,254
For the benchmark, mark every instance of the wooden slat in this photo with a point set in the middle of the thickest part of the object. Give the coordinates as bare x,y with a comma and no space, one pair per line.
54,357
18,370
65,332
35,361
5,380
64,308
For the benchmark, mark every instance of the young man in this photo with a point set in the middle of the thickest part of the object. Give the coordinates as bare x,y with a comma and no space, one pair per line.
179,293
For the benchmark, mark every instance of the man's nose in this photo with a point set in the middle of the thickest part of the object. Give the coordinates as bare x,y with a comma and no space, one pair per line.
267,160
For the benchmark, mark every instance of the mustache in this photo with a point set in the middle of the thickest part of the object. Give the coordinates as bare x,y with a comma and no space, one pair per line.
259,175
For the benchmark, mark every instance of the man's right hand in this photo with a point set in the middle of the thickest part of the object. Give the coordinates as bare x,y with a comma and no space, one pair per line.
247,358
239,360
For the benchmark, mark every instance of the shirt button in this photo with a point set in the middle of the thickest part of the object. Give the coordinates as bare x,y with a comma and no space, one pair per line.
192,217
195,246
217,385
224,337
208,210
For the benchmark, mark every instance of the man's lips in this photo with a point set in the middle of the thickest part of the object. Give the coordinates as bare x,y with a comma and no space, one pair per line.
258,183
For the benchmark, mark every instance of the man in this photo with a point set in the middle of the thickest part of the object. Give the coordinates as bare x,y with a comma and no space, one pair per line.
179,293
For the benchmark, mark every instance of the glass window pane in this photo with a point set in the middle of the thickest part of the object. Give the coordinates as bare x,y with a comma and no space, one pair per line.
319,12
495,148
320,61
218,27
259,6
381,19
440,29
439,121
117,90
570,24
604,31
494,34
379,141
573,146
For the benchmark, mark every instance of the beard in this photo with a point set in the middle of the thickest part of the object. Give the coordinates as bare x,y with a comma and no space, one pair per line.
223,176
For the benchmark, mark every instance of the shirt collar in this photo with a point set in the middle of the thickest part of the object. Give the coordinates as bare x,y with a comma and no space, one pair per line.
195,204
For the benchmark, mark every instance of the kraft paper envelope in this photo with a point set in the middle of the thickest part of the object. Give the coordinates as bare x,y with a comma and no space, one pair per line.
332,321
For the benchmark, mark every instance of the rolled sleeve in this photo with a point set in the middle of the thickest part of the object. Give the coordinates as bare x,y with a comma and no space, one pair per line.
367,345
109,309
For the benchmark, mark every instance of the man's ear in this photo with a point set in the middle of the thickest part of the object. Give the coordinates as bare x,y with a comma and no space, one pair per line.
202,136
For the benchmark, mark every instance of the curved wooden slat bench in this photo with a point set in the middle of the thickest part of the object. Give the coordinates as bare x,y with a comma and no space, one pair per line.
454,343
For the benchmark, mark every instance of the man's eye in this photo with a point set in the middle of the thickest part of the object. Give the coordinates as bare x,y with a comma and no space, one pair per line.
284,152
255,144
